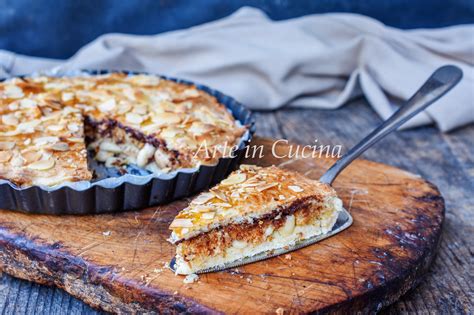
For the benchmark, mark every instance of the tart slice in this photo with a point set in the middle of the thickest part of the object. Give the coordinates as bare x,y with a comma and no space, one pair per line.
254,210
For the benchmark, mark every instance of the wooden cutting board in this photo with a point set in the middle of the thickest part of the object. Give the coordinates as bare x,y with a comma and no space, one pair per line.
115,262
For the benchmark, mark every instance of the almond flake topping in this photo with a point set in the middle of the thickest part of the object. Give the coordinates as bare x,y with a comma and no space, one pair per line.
5,156
234,179
13,91
60,146
55,127
181,223
31,156
134,118
7,145
42,165
203,198
208,215
265,187
296,188
219,194
107,106
44,140
10,120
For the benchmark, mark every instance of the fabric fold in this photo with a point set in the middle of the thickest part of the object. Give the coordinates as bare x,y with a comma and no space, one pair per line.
315,61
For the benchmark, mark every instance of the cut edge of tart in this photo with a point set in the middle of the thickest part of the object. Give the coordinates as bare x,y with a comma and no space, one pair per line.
47,123
254,210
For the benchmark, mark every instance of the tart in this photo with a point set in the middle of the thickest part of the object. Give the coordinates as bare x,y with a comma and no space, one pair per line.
49,124
254,210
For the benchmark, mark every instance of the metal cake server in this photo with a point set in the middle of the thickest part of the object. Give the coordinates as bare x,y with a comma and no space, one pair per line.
437,85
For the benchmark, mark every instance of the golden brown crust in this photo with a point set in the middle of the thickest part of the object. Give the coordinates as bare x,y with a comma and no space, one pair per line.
175,117
247,194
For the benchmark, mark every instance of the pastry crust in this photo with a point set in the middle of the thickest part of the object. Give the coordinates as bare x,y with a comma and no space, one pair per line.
254,210
157,124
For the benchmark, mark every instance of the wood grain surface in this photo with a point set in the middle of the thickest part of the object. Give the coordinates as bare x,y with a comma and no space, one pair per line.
424,151
116,262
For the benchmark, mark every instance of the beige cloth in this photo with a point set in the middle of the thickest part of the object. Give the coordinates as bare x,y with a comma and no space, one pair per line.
317,61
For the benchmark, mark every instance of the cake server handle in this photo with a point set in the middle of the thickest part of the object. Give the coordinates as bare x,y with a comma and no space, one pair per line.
438,84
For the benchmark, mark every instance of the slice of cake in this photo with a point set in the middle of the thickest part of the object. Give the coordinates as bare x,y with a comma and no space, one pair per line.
254,210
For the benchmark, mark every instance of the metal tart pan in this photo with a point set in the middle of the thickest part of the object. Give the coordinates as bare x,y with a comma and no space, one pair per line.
129,191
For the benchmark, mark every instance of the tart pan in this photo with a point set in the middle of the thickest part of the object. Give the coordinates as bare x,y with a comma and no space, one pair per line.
132,190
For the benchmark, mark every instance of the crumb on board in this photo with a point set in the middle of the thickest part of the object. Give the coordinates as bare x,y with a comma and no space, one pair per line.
106,233
280,311
191,278
288,256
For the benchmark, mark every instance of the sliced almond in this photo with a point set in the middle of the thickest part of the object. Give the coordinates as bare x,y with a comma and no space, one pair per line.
55,128
220,195
190,93
28,103
166,119
181,223
13,106
7,145
73,127
66,96
233,179
124,107
222,204
265,187
140,110
13,91
208,215
45,140
198,128
203,198
60,146
31,156
10,120
42,165
28,127
134,118
75,140
108,105
296,188
5,156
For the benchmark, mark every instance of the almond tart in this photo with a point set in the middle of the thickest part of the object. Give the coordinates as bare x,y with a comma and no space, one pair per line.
47,124
254,210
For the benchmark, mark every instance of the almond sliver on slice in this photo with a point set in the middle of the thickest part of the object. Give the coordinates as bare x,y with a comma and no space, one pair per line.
181,223
203,198
5,156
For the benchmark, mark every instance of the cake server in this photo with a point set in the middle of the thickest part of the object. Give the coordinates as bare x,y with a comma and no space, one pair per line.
437,85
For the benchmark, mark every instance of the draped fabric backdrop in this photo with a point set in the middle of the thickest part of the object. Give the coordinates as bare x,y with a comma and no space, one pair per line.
318,61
